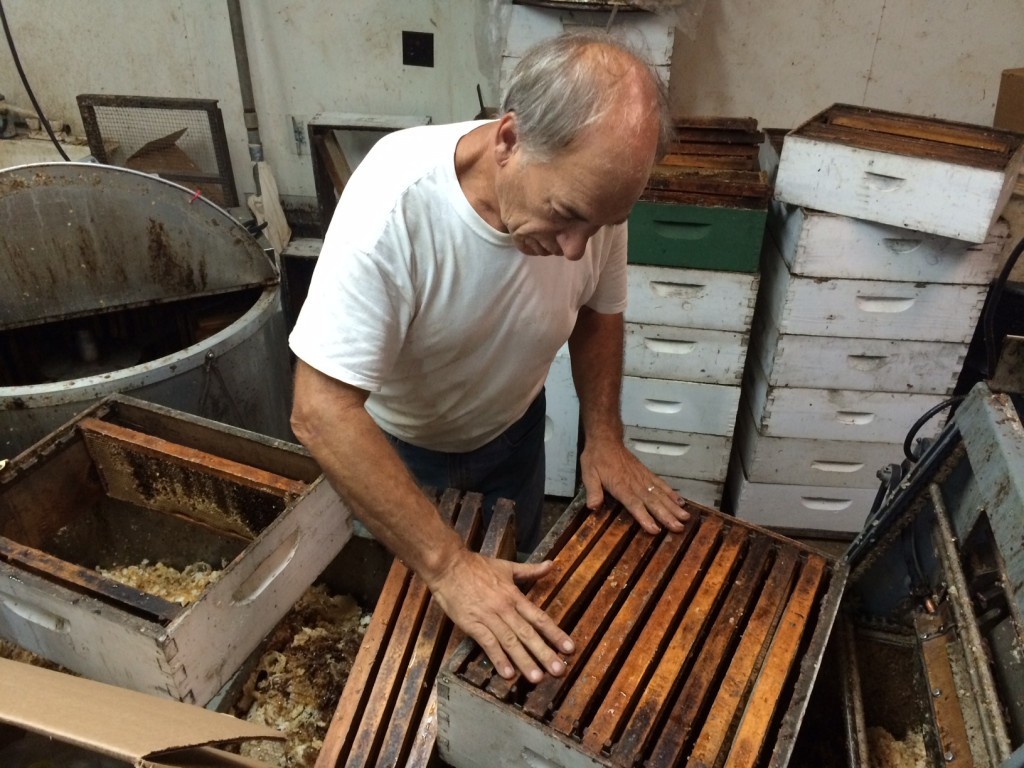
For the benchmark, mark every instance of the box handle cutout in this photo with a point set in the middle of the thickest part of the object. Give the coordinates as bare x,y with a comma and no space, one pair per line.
825,505
867,363
884,304
883,183
659,449
681,230
36,615
267,571
676,290
663,347
902,244
836,466
855,418
663,406
533,759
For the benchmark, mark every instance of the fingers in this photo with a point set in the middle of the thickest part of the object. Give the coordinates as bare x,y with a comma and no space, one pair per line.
593,486
656,506
480,596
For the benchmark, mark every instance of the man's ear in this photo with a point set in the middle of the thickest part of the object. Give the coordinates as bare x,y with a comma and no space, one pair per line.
506,141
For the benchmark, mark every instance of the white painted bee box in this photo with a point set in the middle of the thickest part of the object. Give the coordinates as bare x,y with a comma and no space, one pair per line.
836,414
798,507
805,461
887,365
128,477
680,454
691,298
923,174
700,491
819,244
681,406
869,309
685,354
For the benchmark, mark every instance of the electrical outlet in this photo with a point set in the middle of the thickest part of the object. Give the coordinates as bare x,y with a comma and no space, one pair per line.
418,49
300,134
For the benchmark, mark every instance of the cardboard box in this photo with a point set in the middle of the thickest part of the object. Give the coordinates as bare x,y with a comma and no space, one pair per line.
1010,102
134,728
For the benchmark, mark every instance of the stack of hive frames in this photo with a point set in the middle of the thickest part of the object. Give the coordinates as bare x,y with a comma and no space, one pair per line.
696,649
387,713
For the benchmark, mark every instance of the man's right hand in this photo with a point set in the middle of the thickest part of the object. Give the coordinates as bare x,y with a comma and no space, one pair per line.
480,595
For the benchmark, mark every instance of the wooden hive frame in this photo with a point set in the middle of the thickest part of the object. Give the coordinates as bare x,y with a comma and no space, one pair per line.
693,649
387,712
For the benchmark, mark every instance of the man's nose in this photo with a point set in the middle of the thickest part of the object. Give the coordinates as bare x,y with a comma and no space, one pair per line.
573,243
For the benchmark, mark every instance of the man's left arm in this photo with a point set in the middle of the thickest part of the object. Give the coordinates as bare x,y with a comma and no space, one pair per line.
596,349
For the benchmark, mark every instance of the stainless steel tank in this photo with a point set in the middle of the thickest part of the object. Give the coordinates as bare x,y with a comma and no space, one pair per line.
113,280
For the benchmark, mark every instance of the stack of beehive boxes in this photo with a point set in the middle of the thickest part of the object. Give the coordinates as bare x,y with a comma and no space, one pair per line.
883,240
694,243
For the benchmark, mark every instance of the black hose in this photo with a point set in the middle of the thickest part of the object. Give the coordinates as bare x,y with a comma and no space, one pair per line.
909,440
28,88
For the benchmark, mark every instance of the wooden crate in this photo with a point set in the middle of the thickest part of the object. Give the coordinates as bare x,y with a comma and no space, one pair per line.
387,713
695,236
128,481
679,405
819,244
919,173
691,298
684,354
691,646
680,454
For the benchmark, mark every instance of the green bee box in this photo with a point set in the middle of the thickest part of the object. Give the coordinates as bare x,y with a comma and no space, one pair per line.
696,237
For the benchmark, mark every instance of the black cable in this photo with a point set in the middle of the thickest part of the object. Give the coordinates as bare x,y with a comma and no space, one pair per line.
909,440
28,88
988,321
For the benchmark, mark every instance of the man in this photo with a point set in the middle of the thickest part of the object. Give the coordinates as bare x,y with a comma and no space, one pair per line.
460,258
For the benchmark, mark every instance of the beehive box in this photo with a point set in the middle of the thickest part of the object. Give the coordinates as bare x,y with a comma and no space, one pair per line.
920,173
696,649
128,482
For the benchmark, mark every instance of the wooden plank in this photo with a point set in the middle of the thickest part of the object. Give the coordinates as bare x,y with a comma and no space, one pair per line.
149,445
714,122
929,129
426,657
479,669
678,148
341,732
935,632
709,185
696,695
601,611
581,585
723,600
92,583
705,200
654,647
749,655
764,699
333,158
902,145
711,161
499,541
616,641
381,703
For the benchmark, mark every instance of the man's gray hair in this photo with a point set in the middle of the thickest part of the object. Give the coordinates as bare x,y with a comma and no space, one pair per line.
556,92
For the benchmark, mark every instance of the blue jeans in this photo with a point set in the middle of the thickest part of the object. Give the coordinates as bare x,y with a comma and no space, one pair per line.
511,466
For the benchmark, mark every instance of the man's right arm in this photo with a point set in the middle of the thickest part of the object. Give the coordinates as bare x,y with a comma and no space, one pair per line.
479,594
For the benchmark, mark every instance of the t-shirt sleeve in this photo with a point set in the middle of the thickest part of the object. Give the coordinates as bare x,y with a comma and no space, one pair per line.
353,321
609,254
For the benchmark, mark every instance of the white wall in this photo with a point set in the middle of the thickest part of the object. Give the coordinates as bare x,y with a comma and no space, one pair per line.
783,62
780,62
306,56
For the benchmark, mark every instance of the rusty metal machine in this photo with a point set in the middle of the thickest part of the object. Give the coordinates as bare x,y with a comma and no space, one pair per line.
931,639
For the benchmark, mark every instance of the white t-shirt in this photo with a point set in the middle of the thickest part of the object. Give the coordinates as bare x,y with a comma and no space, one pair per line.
418,300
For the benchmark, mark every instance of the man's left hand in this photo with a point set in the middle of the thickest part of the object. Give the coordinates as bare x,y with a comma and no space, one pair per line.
609,466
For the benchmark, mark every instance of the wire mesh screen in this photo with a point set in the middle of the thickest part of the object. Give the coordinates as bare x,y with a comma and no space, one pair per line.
181,140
